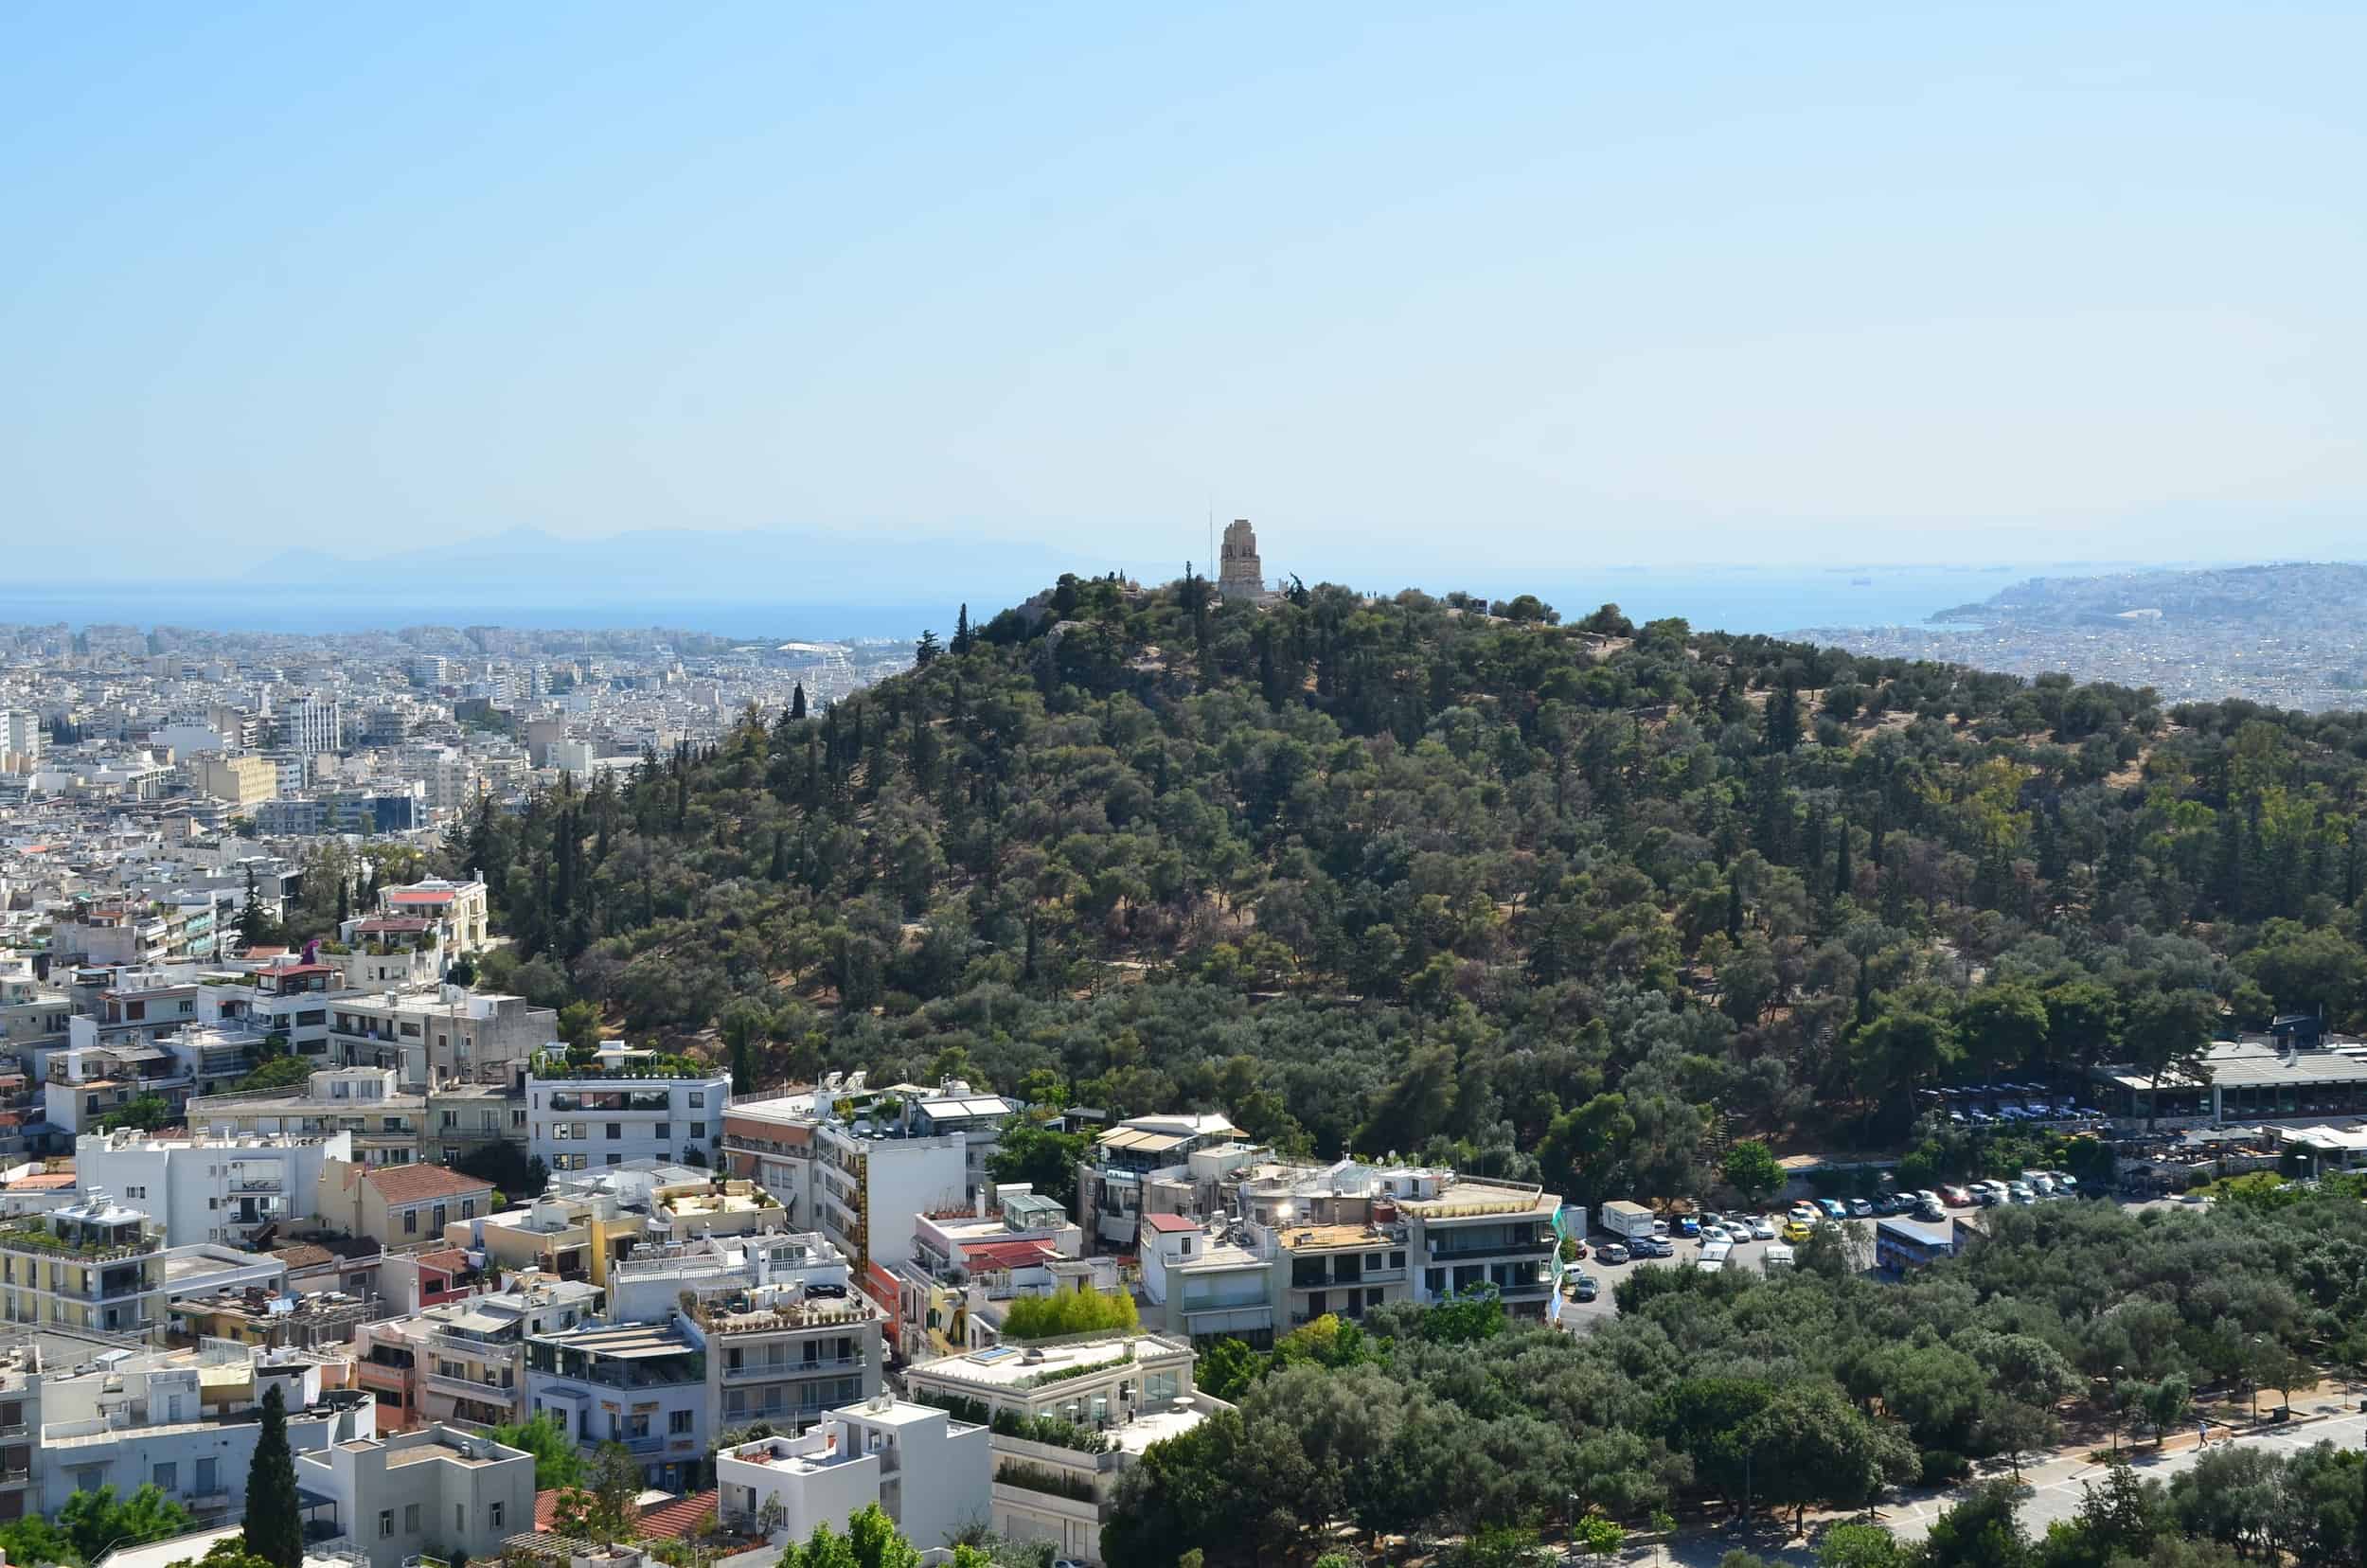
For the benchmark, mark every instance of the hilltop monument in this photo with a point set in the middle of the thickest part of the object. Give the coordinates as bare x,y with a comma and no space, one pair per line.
1240,573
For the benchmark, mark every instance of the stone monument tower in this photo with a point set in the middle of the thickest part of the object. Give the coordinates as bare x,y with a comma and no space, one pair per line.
1239,574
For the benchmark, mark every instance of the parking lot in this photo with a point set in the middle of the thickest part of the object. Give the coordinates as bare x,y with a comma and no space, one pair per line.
1577,1316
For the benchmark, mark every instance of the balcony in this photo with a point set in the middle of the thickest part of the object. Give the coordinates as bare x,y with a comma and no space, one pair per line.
473,1388
1447,1247
782,1371
644,1444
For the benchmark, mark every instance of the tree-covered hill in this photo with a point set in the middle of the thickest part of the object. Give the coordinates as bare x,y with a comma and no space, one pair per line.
1400,875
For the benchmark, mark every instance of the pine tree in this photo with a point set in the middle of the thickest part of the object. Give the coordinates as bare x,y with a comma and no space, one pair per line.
1844,877
1783,721
961,644
925,650
797,702
274,1525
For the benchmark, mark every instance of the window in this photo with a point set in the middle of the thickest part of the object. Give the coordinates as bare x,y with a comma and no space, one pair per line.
188,1006
615,1159
168,1477
410,1222
1372,1297
492,1516
392,1124
135,1011
460,1518
698,1131
1397,1259
410,1519
698,1099
662,1131
678,1422
440,1212
1434,1281
385,1524
452,1119
468,1208
616,1130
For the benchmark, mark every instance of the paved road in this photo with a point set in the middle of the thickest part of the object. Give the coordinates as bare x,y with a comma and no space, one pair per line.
2055,1487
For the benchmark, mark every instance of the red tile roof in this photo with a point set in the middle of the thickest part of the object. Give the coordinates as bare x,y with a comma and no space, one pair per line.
411,896
411,1184
667,1520
1169,1223
1006,1255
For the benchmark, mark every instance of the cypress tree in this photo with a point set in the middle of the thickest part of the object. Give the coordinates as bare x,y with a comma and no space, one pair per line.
961,632
797,702
1844,877
274,1527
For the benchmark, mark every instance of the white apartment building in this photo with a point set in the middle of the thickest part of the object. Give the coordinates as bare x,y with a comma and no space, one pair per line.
869,1184
182,1420
788,1334
199,1189
438,1032
1113,1396
386,1124
623,1107
313,724
642,1385
439,1490
1205,1281
931,1474
21,741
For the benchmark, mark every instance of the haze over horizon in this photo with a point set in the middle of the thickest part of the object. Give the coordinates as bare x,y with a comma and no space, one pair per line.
1522,290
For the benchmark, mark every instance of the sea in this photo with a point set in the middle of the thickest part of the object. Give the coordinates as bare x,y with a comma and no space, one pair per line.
1768,600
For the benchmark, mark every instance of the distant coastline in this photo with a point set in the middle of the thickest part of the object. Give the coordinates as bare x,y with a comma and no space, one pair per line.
1762,599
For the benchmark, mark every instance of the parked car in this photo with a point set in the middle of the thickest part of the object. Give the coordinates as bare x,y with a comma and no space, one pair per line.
2022,1192
1831,1208
1796,1232
1955,1197
1612,1252
1806,1213
1652,1246
1763,1229
1581,1249
1860,1208
1689,1225
1717,1233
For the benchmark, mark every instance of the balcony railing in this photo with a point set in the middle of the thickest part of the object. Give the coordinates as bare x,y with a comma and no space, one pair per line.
35,1238
644,1444
777,1371
1440,1253
473,1387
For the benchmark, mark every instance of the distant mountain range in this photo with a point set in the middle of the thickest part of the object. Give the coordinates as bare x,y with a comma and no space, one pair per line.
2284,591
679,567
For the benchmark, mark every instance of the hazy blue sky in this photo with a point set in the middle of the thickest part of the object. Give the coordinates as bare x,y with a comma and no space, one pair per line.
1543,285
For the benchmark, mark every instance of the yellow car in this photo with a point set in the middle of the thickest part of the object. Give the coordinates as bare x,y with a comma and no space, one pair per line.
1795,1231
